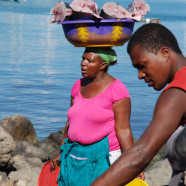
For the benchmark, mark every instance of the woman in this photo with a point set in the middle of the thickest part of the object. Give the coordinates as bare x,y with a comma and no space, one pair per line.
98,126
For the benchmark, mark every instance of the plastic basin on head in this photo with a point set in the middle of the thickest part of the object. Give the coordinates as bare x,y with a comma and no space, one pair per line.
104,33
137,182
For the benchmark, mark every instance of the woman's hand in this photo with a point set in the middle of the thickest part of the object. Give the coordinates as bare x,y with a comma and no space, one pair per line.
55,162
141,176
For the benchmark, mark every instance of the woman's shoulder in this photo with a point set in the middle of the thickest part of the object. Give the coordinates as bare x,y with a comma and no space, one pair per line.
78,82
76,87
117,82
118,88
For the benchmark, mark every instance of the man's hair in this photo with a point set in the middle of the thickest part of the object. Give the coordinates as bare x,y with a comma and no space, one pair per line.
152,37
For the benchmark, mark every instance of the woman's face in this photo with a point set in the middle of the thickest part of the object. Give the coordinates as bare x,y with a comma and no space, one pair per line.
90,65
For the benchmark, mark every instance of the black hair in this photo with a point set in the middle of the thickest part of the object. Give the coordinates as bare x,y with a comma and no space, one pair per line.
152,37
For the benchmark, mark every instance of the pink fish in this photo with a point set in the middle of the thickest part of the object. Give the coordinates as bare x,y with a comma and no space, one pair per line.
60,11
138,9
113,10
86,7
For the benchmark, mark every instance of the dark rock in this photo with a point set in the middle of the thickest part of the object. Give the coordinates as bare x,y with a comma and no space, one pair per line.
52,143
30,151
48,146
56,138
20,128
61,131
22,162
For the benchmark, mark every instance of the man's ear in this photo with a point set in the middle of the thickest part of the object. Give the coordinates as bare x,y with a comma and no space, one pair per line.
165,51
103,65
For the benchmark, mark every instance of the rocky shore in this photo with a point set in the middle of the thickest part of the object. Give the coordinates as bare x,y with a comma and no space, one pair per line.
22,155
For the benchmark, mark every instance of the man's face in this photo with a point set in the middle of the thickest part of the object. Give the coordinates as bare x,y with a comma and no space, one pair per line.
153,68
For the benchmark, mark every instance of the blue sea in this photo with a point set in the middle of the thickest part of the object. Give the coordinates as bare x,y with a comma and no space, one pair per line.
38,66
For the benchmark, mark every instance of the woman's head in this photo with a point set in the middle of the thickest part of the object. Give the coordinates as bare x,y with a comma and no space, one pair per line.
107,54
96,60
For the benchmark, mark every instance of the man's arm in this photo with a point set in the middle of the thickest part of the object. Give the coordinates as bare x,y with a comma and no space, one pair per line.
169,110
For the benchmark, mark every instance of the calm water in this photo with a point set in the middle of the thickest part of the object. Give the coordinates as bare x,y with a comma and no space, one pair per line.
38,66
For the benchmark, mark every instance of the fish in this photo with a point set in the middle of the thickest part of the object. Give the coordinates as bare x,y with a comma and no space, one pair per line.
84,9
62,11
138,9
88,10
112,10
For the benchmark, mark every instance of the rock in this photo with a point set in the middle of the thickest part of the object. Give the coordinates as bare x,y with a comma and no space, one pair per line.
22,162
3,176
56,138
52,143
21,183
30,175
7,145
26,172
20,128
30,151
34,162
28,159
8,183
14,183
47,145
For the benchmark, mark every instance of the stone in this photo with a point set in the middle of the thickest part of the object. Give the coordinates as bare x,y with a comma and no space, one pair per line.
20,163
56,138
49,146
30,175
3,176
20,128
30,151
34,162
21,183
7,145
8,183
52,143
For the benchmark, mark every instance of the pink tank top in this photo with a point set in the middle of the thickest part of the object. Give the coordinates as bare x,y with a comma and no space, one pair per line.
90,120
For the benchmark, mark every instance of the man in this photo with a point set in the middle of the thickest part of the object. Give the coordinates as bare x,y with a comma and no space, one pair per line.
154,51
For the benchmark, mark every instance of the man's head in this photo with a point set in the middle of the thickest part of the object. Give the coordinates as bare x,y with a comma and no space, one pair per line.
152,37
151,49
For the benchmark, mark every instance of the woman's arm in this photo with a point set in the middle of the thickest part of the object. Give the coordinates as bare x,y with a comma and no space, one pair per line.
55,160
122,111
67,124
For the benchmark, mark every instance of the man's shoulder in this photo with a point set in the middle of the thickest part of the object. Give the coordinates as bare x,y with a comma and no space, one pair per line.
179,80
